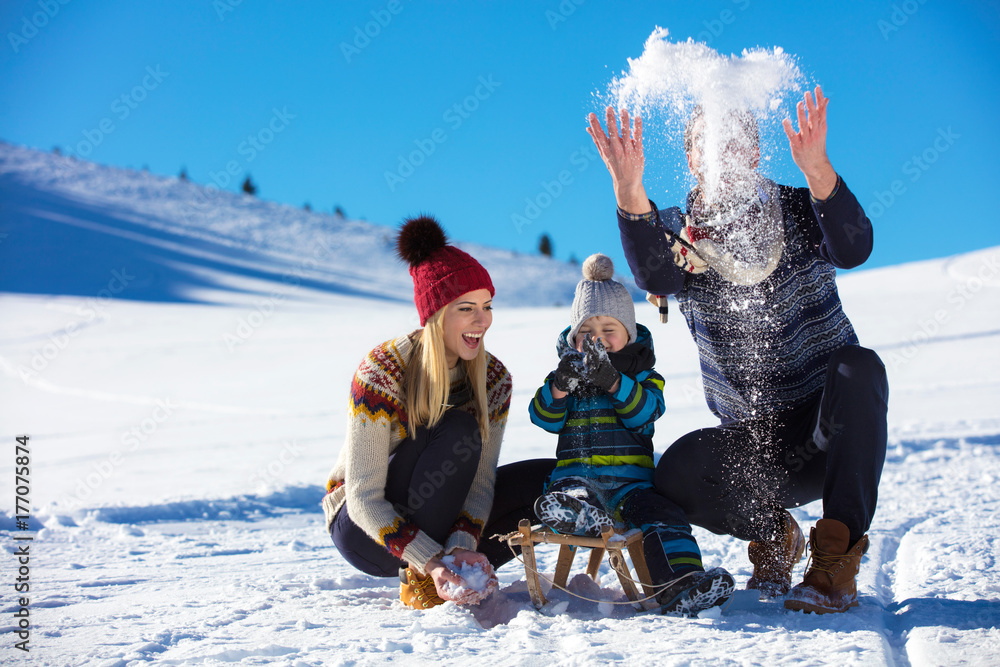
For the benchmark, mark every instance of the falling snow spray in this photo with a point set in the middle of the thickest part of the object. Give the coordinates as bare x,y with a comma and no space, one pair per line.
670,79
665,85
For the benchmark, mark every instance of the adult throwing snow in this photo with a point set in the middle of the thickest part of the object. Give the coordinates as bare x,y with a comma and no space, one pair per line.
414,484
802,405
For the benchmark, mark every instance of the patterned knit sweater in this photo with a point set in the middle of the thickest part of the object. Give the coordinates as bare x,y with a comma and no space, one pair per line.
377,425
764,347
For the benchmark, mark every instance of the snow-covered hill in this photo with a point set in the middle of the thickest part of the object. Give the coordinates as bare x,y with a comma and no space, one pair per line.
181,432
71,224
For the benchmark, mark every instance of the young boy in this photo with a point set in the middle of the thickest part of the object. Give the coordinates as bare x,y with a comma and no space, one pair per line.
602,400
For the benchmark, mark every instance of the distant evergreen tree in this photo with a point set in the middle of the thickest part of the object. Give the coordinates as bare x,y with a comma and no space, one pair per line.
339,212
183,175
307,207
249,187
573,259
545,245
56,150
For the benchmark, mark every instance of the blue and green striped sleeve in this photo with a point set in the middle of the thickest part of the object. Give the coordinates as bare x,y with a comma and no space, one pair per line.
546,411
639,401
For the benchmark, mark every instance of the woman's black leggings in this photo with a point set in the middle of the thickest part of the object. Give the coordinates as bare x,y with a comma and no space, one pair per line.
428,481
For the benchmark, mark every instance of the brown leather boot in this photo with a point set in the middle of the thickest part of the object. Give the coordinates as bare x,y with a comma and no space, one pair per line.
418,591
773,560
829,585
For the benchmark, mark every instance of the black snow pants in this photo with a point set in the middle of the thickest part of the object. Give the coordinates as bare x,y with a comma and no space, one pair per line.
733,479
424,495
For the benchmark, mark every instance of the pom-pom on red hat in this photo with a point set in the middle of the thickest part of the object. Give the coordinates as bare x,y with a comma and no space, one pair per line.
441,272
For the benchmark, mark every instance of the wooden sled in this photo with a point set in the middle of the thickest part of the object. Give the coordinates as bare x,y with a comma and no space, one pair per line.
609,541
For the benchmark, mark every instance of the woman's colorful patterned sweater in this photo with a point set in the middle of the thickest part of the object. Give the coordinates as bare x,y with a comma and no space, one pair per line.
376,426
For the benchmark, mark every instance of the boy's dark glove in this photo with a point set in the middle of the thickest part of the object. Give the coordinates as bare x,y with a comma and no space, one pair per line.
600,372
569,373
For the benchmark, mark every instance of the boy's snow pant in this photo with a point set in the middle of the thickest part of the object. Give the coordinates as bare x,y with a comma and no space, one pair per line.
419,490
732,479
669,548
421,493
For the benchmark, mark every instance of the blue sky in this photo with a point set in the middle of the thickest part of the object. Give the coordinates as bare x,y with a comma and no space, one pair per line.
491,99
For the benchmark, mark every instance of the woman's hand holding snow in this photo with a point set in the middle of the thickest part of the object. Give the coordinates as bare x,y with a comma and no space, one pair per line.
809,145
623,155
477,580
599,371
569,373
443,576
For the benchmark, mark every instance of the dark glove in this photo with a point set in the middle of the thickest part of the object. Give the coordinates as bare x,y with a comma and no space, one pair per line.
569,373
599,372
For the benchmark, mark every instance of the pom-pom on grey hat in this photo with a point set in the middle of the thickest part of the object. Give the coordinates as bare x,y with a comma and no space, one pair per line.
600,294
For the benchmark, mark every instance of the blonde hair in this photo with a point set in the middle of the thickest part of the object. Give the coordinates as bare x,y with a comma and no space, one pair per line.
426,385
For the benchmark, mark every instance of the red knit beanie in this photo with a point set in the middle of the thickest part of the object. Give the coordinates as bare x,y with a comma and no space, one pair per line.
441,273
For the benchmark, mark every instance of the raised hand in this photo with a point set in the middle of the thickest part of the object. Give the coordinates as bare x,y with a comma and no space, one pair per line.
808,144
622,154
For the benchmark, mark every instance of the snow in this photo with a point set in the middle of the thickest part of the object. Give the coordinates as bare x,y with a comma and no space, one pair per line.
669,79
477,584
176,474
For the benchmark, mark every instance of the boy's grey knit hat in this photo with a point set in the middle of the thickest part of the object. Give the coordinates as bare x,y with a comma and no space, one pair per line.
599,294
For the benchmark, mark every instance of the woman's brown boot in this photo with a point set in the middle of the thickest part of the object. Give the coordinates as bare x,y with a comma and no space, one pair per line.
830,584
418,591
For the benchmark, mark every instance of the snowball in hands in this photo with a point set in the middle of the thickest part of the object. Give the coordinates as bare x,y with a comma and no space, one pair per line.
477,583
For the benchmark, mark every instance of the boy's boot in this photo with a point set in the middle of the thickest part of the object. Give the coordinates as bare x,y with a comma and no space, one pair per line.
830,584
773,560
570,515
417,591
695,592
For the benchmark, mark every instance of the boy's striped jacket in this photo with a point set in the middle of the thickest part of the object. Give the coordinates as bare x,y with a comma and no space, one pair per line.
603,435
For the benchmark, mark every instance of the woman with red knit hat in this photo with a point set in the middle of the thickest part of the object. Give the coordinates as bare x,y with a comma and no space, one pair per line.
413,487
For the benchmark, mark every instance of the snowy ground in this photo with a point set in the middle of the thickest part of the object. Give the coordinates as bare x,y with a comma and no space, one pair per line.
177,463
